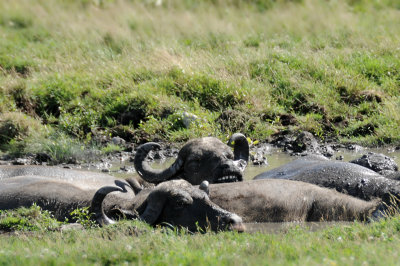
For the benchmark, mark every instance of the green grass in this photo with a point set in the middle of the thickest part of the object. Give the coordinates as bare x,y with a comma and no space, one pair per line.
110,148
89,68
28,219
39,241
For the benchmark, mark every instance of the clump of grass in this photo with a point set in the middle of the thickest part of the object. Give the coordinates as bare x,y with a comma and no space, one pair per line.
84,217
21,134
16,126
111,148
15,65
28,219
62,148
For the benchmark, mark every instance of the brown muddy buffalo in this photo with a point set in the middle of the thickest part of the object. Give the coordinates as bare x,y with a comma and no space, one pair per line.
274,200
60,191
200,159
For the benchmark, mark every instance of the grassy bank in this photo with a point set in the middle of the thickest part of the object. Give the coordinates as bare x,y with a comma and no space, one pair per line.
136,243
78,70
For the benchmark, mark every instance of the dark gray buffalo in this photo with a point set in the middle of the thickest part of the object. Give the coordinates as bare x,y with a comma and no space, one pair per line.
175,202
347,178
274,200
200,159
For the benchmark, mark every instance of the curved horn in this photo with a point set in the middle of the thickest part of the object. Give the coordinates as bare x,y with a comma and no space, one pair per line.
240,147
152,175
155,204
97,205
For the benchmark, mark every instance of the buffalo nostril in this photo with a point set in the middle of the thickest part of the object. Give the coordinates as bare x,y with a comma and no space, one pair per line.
235,223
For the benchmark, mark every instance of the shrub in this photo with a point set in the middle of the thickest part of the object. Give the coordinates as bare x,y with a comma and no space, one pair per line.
18,126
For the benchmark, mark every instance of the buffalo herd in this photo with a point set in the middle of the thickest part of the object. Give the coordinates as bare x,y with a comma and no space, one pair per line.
204,189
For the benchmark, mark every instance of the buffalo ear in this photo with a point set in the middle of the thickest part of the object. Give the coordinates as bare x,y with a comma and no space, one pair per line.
205,187
136,186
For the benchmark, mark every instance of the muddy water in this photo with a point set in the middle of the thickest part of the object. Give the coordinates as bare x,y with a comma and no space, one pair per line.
278,158
275,158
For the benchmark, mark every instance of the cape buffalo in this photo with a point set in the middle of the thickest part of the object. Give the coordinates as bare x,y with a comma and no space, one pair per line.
348,178
174,202
200,159
273,200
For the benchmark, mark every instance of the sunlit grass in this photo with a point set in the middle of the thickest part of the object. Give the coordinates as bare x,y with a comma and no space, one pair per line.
135,242
81,66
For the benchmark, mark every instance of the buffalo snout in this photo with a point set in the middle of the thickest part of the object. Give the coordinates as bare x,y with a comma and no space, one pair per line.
235,223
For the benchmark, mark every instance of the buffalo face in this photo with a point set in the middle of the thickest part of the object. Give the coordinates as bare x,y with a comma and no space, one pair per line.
211,160
176,203
190,207
199,160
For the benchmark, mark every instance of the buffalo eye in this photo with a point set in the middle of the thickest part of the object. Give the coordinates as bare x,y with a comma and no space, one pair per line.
180,204
228,155
181,200
193,166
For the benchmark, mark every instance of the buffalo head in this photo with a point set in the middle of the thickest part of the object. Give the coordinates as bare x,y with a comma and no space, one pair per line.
199,160
175,203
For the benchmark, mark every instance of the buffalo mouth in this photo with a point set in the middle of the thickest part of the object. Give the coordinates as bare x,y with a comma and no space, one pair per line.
229,178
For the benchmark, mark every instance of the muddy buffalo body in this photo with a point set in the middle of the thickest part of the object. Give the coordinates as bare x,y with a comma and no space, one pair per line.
347,178
60,191
274,200
176,202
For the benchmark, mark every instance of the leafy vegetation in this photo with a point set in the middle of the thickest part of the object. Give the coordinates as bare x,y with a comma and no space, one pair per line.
36,219
84,217
28,219
77,70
